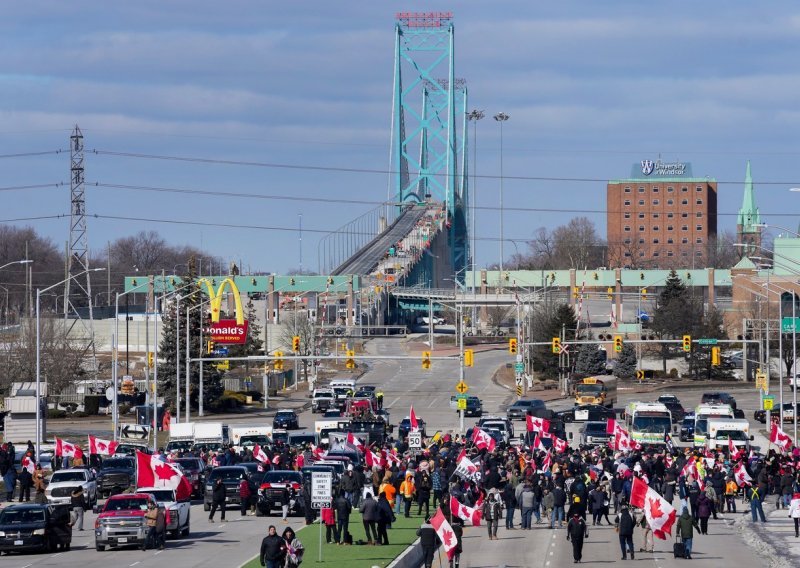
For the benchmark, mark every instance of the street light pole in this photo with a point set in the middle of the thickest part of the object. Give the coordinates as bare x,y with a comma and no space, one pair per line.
39,293
474,116
501,117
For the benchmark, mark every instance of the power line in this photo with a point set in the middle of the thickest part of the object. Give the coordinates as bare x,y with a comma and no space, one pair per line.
36,186
29,154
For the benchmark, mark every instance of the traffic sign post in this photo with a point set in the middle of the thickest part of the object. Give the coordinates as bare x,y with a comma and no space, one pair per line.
706,341
462,387
640,374
768,402
321,496
462,403
415,440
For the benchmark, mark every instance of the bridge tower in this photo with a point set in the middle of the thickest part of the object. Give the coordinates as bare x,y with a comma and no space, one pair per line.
429,125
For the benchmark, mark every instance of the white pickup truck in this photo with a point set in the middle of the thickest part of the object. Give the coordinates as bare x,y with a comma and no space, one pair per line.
179,511
63,483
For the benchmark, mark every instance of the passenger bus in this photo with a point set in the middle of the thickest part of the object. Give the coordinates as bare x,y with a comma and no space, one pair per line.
701,415
601,390
648,422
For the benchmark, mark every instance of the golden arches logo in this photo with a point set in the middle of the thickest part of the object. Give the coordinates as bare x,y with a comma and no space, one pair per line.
216,298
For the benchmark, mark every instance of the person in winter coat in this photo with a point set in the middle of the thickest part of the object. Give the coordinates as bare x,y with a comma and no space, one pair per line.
597,499
624,526
559,500
385,519
39,486
407,491
10,481
686,525
349,485
285,498
458,531
492,509
217,500
294,548
527,501
245,494
328,516
370,516
423,485
647,532
25,484
78,505
343,508
273,549
429,541
510,502
693,491
576,532
794,513
704,508
731,489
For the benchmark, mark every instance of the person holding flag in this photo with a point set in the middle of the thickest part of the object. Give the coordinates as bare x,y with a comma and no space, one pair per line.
294,548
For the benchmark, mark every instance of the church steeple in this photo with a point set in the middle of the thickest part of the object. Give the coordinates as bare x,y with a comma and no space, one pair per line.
748,229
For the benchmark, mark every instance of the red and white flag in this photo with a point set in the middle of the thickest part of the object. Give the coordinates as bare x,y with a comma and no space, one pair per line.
741,476
445,532
412,417
613,427
731,446
660,514
466,469
537,443
152,472
355,442
470,515
372,459
27,463
67,450
317,452
560,445
547,462
537,424
259,454
780,438
102,447
390,457
483,440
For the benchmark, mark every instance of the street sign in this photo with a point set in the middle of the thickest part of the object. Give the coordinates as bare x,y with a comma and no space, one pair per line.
519,391
462,387
221,350
519,367
706,341
519,358
462,396
789,325
761,381
321,489
563,348
415,439
769,401
134,431
640,374
462,403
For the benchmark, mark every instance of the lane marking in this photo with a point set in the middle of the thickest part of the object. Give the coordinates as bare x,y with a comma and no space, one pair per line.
135,563
394,401
434,401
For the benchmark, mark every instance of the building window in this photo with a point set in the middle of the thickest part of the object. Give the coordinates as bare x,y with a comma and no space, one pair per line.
641,189
641,202
670,228
655,189
684,215
670,202
641,228
684,189
641,241
684,241
641,215
627,190
626,228
698,253
656,215
669,253
698,227
670,241
627,254
627,241
699,214
670,215
655,253
699,202
627,202
655,227
684,202
684,253
655,241
627,215
699,188
641,253
670,189
685,228
655,202
699,240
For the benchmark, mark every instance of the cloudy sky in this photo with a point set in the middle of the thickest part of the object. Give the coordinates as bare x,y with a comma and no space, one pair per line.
591,87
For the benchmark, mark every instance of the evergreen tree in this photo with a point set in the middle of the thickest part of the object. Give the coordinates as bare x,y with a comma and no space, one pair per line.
547,323
626,362
677,313
712,326
167,354
591,360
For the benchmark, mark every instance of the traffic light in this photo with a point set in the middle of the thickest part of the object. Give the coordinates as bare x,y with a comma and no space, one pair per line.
575,292
296,344
556,346
512,345
209,347
644,293
350,363
150,359
279,360
617,343
426,359
687,343
610,293
715,358
469,357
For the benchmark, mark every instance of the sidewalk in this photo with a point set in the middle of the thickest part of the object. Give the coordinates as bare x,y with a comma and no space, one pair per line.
776,536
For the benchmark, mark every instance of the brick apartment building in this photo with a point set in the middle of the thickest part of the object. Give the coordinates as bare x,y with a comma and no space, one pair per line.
661,217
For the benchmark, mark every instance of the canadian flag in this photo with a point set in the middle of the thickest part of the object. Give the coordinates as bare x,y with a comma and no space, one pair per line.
547,462
317,452
152,472
537,443
780,438
483,440
741,476
390,457
412,417
471,515
355,442
560,445
102,447
613,427
259,454
731,446
27,463
660,514
537,424
372,458
67,450
445,532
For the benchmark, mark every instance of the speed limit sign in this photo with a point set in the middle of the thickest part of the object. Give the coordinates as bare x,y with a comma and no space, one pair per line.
415,441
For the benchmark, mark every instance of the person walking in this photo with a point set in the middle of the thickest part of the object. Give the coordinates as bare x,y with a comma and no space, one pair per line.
624,525
510,501
597,499
756,498
686,526
78,506
217,500
794,513
294,548
369,516
424,485
385,519
648,544
704,508
285,499
559,500
731,489
527,501
273,549
492,509
245,494
429,541
25,483
343,509
407,491
458,530
328,516
39,486
577,531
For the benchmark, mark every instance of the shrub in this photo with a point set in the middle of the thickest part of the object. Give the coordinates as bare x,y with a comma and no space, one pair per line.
124,408
79,414
56,413
257,395
673,373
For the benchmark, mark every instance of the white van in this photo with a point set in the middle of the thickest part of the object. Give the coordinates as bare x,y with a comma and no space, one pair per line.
343,383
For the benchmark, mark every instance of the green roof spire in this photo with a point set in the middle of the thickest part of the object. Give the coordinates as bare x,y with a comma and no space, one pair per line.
748,214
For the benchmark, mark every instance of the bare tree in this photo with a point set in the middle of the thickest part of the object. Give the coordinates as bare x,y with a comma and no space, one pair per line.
298,324
720,252
578,244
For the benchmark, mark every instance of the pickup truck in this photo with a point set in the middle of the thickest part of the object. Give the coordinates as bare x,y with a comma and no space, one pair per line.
116,472
63,483
121,521
179,511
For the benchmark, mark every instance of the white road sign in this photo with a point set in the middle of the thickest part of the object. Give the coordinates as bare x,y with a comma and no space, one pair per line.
321,489
415,441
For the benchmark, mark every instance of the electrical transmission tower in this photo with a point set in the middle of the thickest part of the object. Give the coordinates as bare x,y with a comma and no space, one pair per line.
80,296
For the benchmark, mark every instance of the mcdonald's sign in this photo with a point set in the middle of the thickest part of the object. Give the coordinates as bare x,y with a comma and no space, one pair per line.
227,331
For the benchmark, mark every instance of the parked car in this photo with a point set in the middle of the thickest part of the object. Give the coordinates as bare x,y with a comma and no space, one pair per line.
195,471
718,397
272,485
687,428
474,407
64,481
230,475
29,527
179,511
405,427
117,472
521,408
674,406
286,419
586,412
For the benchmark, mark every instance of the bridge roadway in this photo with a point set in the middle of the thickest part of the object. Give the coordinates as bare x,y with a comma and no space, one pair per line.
367,258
